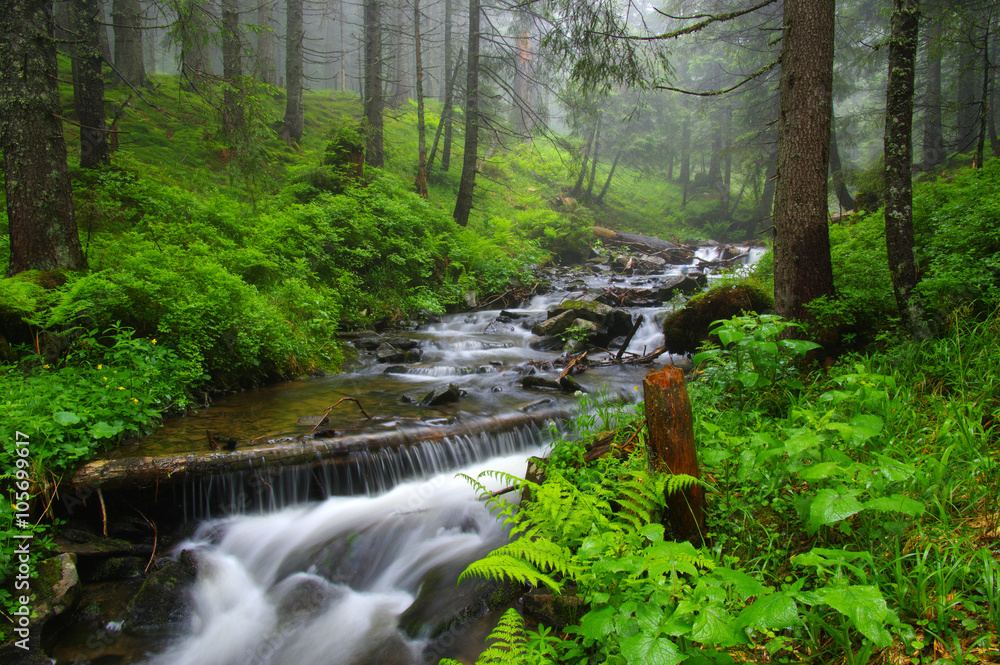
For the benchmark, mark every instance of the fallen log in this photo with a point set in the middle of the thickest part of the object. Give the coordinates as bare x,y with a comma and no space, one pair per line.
304,450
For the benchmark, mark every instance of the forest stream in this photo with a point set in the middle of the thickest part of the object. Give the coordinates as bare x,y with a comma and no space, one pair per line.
354,561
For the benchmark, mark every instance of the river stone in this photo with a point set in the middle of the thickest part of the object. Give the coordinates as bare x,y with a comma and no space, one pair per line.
386,353
396,369
585,309
403,343
554,325
498,327
685,284
163,602
540,382
369,341
115,568
442,395
57,587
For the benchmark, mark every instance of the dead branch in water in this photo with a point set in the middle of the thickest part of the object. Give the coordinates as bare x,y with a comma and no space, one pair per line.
331,407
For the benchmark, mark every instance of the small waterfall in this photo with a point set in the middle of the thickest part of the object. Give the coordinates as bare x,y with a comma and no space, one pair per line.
346,581
366,472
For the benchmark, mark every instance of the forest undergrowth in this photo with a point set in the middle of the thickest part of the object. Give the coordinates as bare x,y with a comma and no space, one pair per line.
853,515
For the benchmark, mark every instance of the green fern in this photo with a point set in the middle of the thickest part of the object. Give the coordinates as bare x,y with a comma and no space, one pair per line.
506,643
681,481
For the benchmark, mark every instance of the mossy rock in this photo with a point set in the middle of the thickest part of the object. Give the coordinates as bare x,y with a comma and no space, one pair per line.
163,603
687,328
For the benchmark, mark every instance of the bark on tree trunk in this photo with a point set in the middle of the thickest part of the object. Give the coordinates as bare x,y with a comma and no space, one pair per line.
374,99
43,234
802,266
522,111
898,157
89,88
294,120
266,71
127,18
671,449
463,206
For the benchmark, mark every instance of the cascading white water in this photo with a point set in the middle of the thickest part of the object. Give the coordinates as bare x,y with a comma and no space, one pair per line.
328,582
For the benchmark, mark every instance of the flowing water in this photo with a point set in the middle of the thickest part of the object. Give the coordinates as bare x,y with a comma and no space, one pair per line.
356,563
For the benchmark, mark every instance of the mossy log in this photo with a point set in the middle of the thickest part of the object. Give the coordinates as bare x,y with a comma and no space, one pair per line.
169,469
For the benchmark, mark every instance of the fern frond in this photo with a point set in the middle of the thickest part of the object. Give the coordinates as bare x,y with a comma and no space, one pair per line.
543,553
680,481
506,642
501,566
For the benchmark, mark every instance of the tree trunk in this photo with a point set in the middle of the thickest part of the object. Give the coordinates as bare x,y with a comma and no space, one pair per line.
967,111
103,35
725,187
933,147
127,18
421,131
449,97
802,266
765,205
577,190
984,110
522,110
837,173
266,71
685,175
611,174
42,227
374,99
232,111
898,157
463,206
593,161
446,114
294,120
89,87
671,449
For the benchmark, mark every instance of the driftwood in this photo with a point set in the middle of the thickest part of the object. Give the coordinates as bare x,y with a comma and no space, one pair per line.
302,451
508,298
645,244
331,407
631,334
671,448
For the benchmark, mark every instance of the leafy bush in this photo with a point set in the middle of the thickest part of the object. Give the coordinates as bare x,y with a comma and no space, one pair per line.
957,227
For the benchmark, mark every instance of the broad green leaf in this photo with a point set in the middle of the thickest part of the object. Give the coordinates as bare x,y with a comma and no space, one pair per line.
749,379
715,626
103,430
652,532
866,608
644,649
66,417
744,585
831,506
703,356
897,503
801,441
799,346
772,612
598,624
727,337
893,469
821,471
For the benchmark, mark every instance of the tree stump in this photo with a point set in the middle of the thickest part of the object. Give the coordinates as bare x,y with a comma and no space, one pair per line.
671,449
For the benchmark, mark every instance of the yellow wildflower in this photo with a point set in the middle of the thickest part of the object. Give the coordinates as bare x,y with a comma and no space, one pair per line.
46,366
100,367
121,387
154,341
135,400
105,378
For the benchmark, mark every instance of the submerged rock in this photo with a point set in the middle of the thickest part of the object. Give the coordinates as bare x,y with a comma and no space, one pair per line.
442,395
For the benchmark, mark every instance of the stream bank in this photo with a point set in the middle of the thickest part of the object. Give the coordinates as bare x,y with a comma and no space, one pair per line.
282,467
